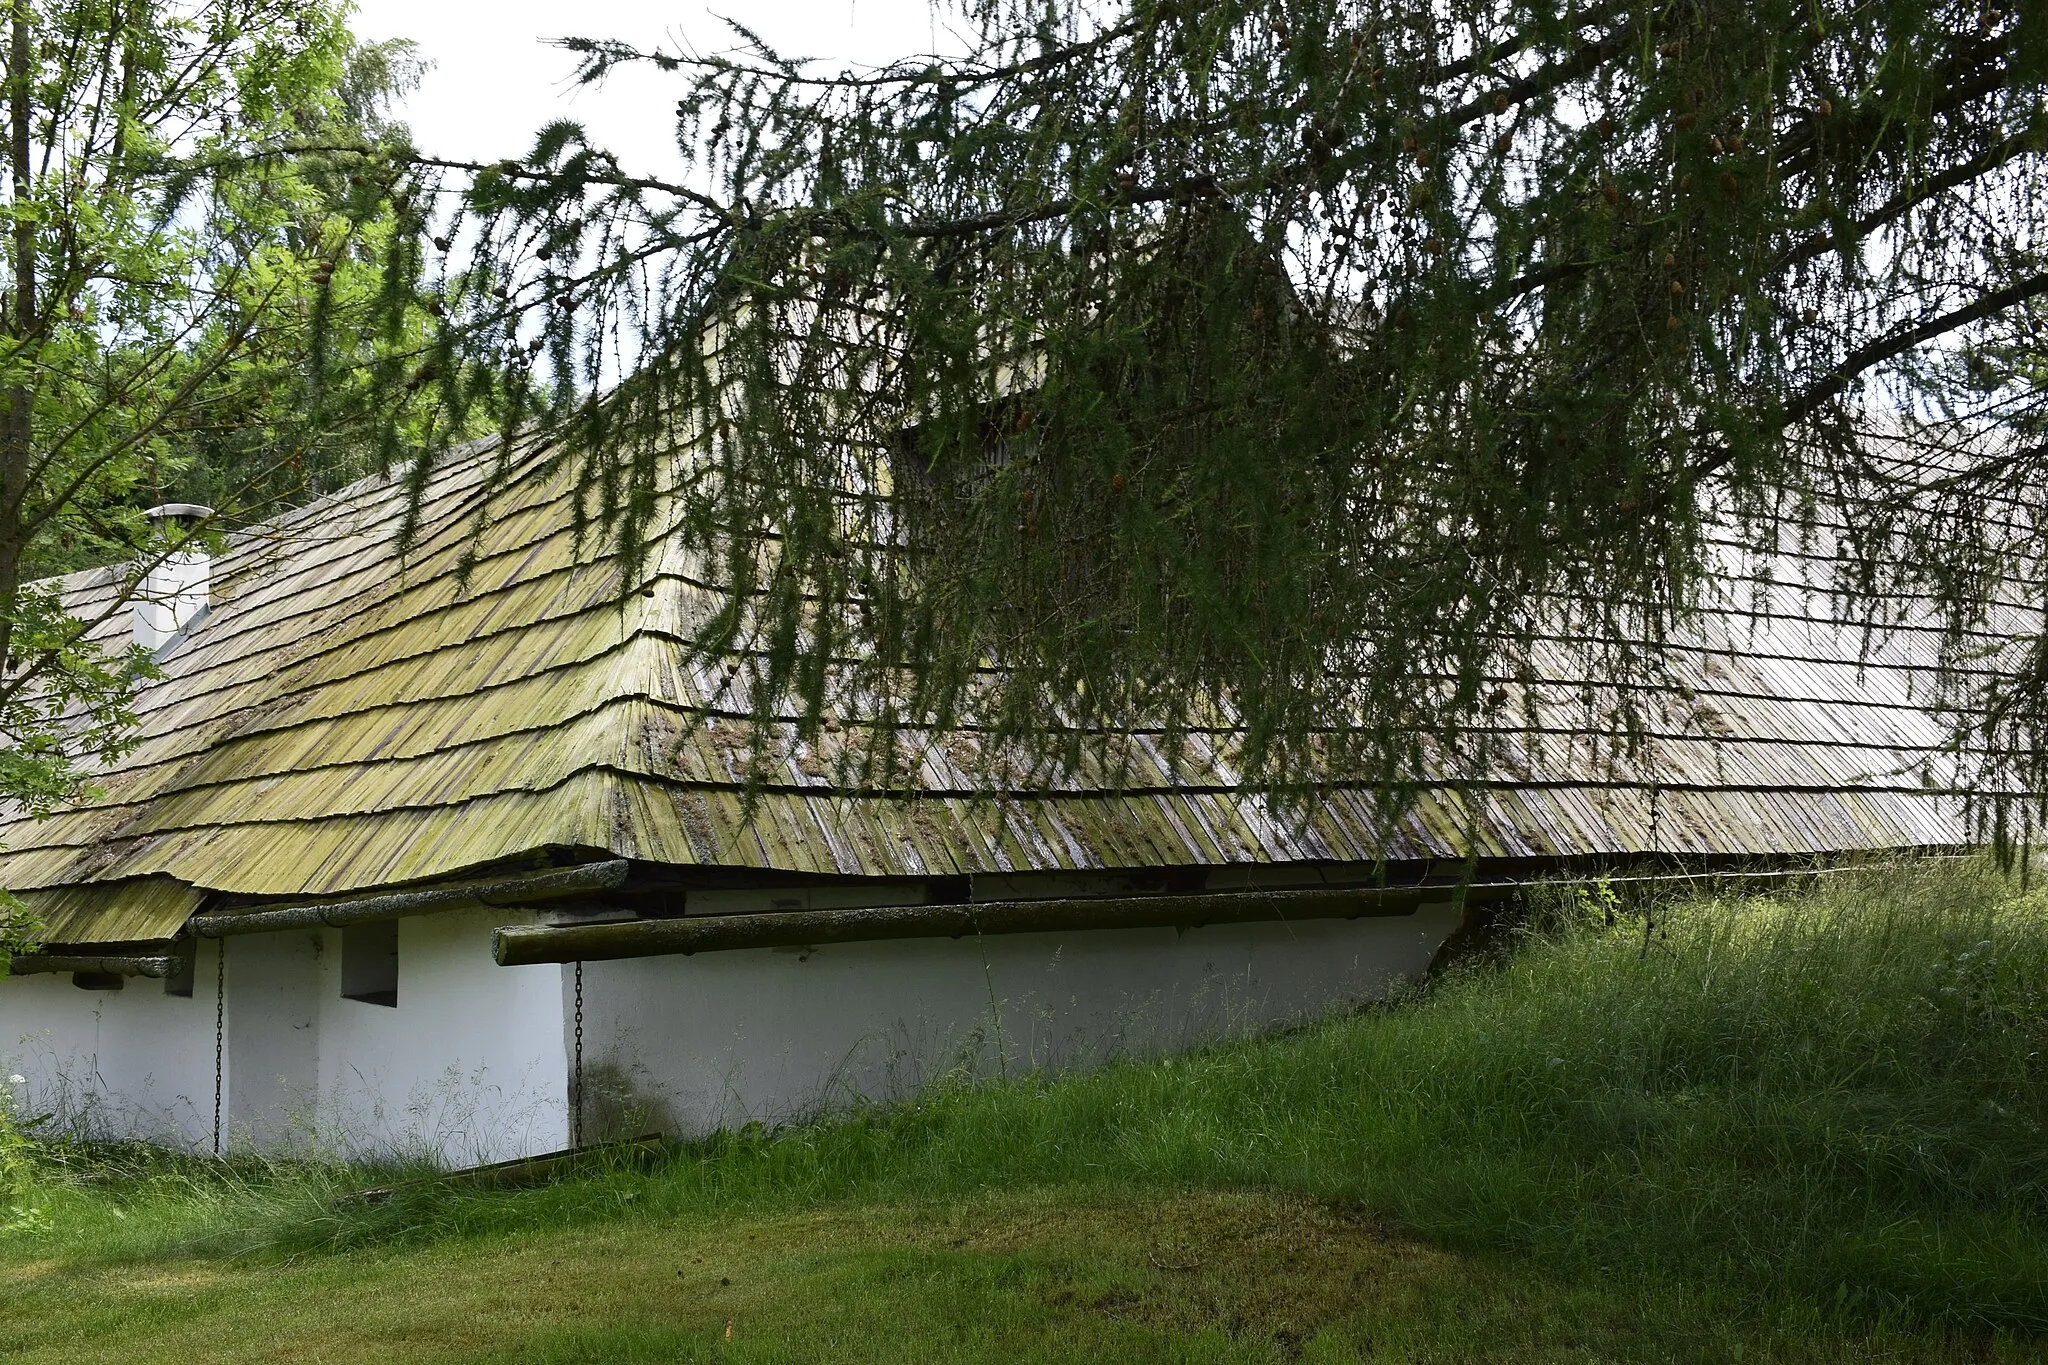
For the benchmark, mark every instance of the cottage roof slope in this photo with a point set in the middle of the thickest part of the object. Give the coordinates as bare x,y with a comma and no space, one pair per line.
356,713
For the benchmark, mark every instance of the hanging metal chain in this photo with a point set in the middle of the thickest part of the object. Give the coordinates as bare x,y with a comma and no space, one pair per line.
220,1017
1649,901
576,1079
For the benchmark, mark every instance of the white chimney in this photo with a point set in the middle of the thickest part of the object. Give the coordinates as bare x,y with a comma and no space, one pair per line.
173,595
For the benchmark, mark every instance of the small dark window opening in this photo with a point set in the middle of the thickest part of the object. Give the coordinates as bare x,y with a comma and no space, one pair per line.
369,962
98,981
948,890
179,982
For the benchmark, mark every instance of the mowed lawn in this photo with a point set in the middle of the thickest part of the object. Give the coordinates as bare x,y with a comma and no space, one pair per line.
1038,1276
1807,1129
1049,1275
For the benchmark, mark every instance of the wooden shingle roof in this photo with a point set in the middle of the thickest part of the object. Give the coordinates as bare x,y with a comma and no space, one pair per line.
349,716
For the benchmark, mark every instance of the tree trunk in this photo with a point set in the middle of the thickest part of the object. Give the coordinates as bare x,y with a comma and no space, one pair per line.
17,437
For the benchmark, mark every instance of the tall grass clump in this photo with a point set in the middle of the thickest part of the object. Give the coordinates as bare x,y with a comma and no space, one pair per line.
20,1206
125,1202
1842,1091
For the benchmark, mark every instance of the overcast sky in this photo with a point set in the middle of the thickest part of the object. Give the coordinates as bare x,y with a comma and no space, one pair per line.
496,80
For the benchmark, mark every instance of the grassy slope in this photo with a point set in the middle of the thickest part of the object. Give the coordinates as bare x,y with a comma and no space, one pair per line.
1808,1131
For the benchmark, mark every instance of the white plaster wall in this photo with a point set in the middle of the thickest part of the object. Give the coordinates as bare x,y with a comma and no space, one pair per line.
272,1047
473,1063
468,1068
687,1044
128,1063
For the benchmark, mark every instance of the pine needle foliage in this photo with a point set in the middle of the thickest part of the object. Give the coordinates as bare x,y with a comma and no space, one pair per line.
1298,370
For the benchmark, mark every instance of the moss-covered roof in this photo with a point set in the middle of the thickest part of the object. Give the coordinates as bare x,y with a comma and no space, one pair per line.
349,716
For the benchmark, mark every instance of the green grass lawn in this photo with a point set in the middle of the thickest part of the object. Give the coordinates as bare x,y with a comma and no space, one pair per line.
1808,1129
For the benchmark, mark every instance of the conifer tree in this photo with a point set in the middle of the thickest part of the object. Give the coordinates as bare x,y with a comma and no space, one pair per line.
1301,368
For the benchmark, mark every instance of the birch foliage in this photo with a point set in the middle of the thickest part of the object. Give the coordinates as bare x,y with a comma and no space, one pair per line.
174,238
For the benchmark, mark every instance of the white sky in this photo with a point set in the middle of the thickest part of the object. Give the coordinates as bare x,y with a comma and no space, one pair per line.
496,80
